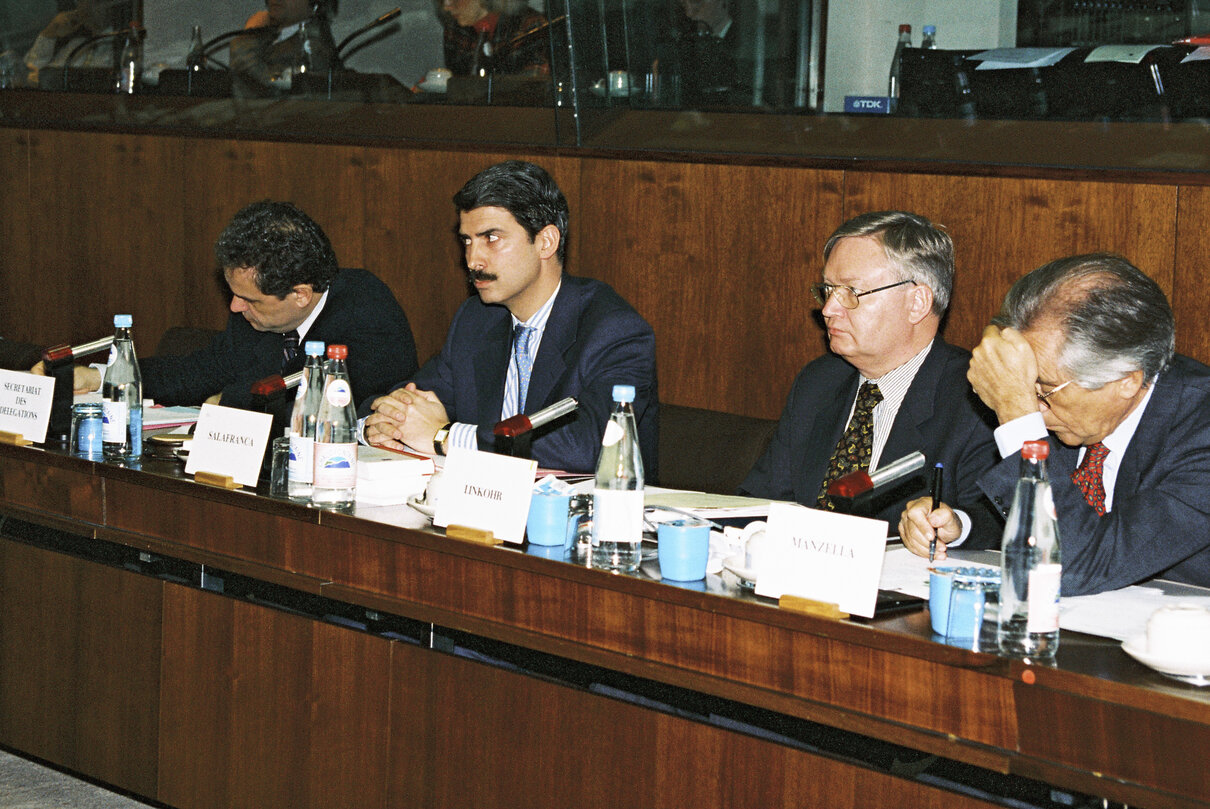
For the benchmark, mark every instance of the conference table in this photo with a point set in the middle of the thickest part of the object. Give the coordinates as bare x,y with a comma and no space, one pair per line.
205,647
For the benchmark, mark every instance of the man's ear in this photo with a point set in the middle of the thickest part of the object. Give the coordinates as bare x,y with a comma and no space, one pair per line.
920,303
303,294
548,241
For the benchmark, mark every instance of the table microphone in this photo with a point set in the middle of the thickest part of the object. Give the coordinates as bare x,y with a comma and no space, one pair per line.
58,361
521,424
381,20
868,484
221,38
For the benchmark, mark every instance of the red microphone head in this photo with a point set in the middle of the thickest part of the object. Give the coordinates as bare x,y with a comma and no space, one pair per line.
851,485
269,386
513,426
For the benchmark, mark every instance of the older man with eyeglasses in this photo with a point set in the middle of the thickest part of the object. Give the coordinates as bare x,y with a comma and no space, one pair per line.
890,385
1082,354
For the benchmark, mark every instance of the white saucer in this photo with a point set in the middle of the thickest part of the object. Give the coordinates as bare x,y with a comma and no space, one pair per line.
1196,672
425,509
746,576
432,87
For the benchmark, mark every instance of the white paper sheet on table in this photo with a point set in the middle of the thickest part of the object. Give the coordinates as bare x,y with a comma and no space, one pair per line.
1119,614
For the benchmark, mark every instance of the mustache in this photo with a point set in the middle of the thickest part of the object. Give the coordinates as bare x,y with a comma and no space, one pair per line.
480,275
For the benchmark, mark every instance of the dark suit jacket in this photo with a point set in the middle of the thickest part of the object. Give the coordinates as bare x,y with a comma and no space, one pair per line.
940,417
593,341
1160,523
360,312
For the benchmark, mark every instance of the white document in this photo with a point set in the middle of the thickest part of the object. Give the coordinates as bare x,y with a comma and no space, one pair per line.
25,404
231,442
486,491
1199,54
821,555
1125,54
1018,58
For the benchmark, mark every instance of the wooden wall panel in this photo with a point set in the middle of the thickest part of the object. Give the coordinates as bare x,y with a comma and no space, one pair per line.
80,665
410,231
526,742
106,237
263,708
1005,227
718,259
1192,273
222,176
15,234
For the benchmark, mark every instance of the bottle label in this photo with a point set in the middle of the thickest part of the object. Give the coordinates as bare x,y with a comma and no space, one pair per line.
1044,599
335,466
302,458
113,355
113,422
302,387
617,515
339,393
613,434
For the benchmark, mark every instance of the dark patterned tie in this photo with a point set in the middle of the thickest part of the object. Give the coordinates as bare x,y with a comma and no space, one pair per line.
1089,476
856,445
289,348
525,363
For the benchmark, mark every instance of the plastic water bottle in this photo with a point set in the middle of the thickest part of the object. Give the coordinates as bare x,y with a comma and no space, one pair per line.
905,41
617,498
1031,570
196,56
928,37
334,483
302,423
130,63
122,397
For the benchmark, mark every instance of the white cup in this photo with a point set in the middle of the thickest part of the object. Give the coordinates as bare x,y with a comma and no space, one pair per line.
1179,632
757,545
437,77
432,492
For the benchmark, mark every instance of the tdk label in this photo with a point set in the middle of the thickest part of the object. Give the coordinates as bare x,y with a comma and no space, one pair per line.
868,105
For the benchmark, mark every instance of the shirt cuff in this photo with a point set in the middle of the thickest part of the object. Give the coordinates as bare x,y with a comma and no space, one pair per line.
465,436
965,520
1011,435
361,431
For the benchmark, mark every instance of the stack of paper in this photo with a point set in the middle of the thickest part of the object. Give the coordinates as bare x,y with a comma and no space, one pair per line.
388,477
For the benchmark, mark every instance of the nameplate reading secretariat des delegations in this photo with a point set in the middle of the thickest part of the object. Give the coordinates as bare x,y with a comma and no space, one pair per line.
229,442
486,491
824,556
25,404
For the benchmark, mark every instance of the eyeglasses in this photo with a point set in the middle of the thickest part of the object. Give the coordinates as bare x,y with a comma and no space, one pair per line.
847,296
1044,398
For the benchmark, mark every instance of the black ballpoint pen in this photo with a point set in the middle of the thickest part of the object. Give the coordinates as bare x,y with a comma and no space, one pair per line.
938,475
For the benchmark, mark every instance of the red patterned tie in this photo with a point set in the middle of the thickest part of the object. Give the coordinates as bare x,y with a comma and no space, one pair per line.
1088,476
855,447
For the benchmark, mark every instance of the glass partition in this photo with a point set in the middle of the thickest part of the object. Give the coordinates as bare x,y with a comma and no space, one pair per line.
580,64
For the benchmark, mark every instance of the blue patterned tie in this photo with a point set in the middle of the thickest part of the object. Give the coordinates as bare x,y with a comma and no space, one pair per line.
525,363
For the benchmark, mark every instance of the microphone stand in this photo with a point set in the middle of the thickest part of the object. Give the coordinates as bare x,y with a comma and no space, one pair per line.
336,55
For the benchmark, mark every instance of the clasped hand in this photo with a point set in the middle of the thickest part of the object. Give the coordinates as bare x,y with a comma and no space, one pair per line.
406,416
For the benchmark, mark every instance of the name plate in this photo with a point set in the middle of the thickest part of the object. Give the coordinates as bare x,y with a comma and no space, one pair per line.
823,556
229,441
486,491
25,404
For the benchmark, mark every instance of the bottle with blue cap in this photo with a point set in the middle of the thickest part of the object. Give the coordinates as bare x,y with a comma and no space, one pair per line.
122,397
302,422
617,497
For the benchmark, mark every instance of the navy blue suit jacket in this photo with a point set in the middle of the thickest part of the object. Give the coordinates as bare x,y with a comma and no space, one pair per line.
360,312
593,341
939,416
1160,523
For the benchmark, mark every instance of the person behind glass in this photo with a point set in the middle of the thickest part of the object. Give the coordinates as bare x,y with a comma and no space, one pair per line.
710,74
1082,355
889,386
483,37
292,33
286,288
63,34
533,335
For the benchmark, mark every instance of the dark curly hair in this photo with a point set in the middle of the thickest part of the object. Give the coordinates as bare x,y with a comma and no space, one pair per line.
283,245
524,190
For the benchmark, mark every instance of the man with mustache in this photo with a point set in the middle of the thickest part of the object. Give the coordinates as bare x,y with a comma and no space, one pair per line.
532,336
